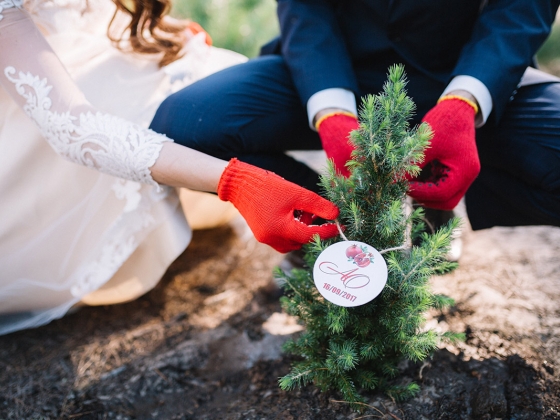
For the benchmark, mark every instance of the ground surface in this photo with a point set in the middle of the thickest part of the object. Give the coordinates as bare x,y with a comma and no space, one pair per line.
206,343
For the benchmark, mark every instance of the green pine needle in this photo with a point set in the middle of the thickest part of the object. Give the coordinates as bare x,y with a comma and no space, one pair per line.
352,350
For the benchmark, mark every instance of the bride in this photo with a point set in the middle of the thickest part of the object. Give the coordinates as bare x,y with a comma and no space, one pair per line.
88,212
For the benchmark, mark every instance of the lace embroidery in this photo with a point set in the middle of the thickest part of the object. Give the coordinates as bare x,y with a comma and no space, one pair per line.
107,143
7,4
121,240
129,191
93,275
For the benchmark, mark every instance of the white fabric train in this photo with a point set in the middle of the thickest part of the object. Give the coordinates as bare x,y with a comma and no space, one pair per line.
69,233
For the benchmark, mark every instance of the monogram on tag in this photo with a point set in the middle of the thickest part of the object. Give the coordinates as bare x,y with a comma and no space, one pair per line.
350,273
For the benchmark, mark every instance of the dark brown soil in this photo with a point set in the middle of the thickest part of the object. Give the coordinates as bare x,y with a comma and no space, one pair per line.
206,343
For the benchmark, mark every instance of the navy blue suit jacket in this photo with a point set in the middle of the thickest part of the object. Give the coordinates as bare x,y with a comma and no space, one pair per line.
350,43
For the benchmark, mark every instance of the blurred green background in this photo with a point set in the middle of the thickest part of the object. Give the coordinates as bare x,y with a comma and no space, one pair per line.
238,25
549,54
245,25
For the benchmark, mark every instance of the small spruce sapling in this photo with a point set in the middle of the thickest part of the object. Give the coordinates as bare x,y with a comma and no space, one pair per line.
359,348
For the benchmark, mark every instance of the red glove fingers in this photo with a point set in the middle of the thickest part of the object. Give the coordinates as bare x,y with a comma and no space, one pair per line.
452,158
267,202
334,130
195,28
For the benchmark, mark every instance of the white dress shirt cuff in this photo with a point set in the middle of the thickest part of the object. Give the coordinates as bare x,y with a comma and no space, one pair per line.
331,98
477,89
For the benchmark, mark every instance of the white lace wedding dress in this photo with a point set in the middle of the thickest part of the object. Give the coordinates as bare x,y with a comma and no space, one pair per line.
81,219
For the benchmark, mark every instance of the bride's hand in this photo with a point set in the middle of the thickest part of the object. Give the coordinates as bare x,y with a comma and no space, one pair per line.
191,28
268,202
194,28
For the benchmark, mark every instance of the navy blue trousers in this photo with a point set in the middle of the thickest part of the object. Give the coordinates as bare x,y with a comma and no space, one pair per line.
252,111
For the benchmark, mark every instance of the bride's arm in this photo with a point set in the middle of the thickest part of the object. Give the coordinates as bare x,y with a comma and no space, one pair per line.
33,75
202,173
36,79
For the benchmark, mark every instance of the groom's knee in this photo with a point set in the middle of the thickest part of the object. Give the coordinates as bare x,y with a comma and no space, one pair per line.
194,117
212,114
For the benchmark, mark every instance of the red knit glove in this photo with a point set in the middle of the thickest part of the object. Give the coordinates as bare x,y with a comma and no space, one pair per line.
334,130
268,202
451,162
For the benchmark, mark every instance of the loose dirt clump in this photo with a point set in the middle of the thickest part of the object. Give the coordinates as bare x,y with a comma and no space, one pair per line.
206,343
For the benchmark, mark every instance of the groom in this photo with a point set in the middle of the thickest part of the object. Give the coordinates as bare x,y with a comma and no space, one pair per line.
496,124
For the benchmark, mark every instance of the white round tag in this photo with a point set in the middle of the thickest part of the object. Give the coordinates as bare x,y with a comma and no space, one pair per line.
350,273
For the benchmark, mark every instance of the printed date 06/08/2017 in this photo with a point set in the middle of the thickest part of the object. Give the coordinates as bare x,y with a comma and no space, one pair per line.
339,292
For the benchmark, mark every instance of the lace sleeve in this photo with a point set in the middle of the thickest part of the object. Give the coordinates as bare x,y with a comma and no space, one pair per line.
36,79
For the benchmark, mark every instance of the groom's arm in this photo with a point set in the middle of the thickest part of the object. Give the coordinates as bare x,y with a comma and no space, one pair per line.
315,52
503,43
